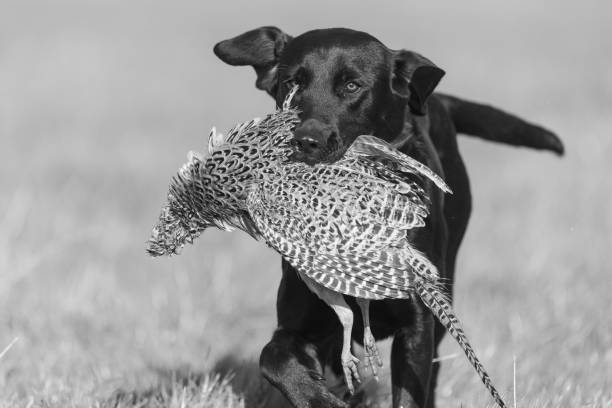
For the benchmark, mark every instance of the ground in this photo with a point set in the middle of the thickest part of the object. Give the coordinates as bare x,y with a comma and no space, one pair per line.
99,103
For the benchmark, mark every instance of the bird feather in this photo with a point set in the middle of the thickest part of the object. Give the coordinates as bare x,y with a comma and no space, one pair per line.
342,225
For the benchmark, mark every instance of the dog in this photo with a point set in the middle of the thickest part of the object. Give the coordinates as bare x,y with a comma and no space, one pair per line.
351,84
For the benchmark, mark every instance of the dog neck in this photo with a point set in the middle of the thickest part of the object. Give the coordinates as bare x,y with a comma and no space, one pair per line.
405,137
414,141
413,126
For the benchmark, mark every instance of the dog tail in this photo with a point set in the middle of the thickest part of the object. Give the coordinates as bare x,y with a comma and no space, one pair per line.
435,300
492,124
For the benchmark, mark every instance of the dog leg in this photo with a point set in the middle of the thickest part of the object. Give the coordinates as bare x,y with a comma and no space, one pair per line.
292,365
306,340
411,356
369,343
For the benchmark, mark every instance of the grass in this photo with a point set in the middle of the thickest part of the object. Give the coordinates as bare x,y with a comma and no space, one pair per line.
101,101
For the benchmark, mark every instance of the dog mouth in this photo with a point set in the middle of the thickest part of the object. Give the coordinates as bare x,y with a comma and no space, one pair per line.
307,151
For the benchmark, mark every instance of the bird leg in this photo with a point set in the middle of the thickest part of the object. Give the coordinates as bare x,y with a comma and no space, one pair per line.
349,361
369,343
336,301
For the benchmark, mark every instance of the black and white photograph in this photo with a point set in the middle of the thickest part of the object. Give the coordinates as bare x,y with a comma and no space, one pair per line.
289,204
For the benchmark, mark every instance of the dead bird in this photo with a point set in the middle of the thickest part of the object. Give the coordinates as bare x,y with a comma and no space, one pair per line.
342,225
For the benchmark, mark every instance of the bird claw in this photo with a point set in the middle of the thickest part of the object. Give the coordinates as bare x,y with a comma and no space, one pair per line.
349,366
372,355
373,361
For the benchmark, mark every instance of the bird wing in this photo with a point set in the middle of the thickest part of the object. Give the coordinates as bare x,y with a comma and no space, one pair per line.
342,228
373,147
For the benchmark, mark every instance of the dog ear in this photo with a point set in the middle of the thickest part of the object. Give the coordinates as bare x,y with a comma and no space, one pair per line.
261,48
414,77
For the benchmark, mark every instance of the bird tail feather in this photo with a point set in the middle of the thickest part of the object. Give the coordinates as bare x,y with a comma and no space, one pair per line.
437,302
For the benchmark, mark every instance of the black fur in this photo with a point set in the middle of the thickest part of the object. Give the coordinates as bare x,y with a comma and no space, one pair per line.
351,84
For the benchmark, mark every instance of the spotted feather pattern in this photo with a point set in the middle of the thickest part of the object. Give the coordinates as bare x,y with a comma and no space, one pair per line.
351,241
342,225
211,189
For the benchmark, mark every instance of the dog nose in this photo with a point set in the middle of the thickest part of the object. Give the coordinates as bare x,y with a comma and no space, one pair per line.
313,138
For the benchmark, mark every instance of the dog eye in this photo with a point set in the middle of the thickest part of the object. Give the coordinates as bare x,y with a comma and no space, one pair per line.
351,87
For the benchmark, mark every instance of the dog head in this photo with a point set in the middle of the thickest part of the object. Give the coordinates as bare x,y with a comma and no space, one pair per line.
349,83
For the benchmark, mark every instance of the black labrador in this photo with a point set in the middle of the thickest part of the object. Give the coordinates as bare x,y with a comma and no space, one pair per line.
351,84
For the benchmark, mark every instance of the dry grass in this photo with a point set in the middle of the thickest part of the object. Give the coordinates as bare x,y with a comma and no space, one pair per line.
101,100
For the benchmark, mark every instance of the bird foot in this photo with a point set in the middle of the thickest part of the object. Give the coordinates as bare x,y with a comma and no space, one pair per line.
349,366
372,355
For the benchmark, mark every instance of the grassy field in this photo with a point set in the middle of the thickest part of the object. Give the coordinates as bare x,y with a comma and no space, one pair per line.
100,101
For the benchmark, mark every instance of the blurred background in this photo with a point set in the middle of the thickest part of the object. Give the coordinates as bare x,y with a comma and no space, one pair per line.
101,100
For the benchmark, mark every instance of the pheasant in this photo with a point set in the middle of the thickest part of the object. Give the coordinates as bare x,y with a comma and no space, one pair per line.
343,226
